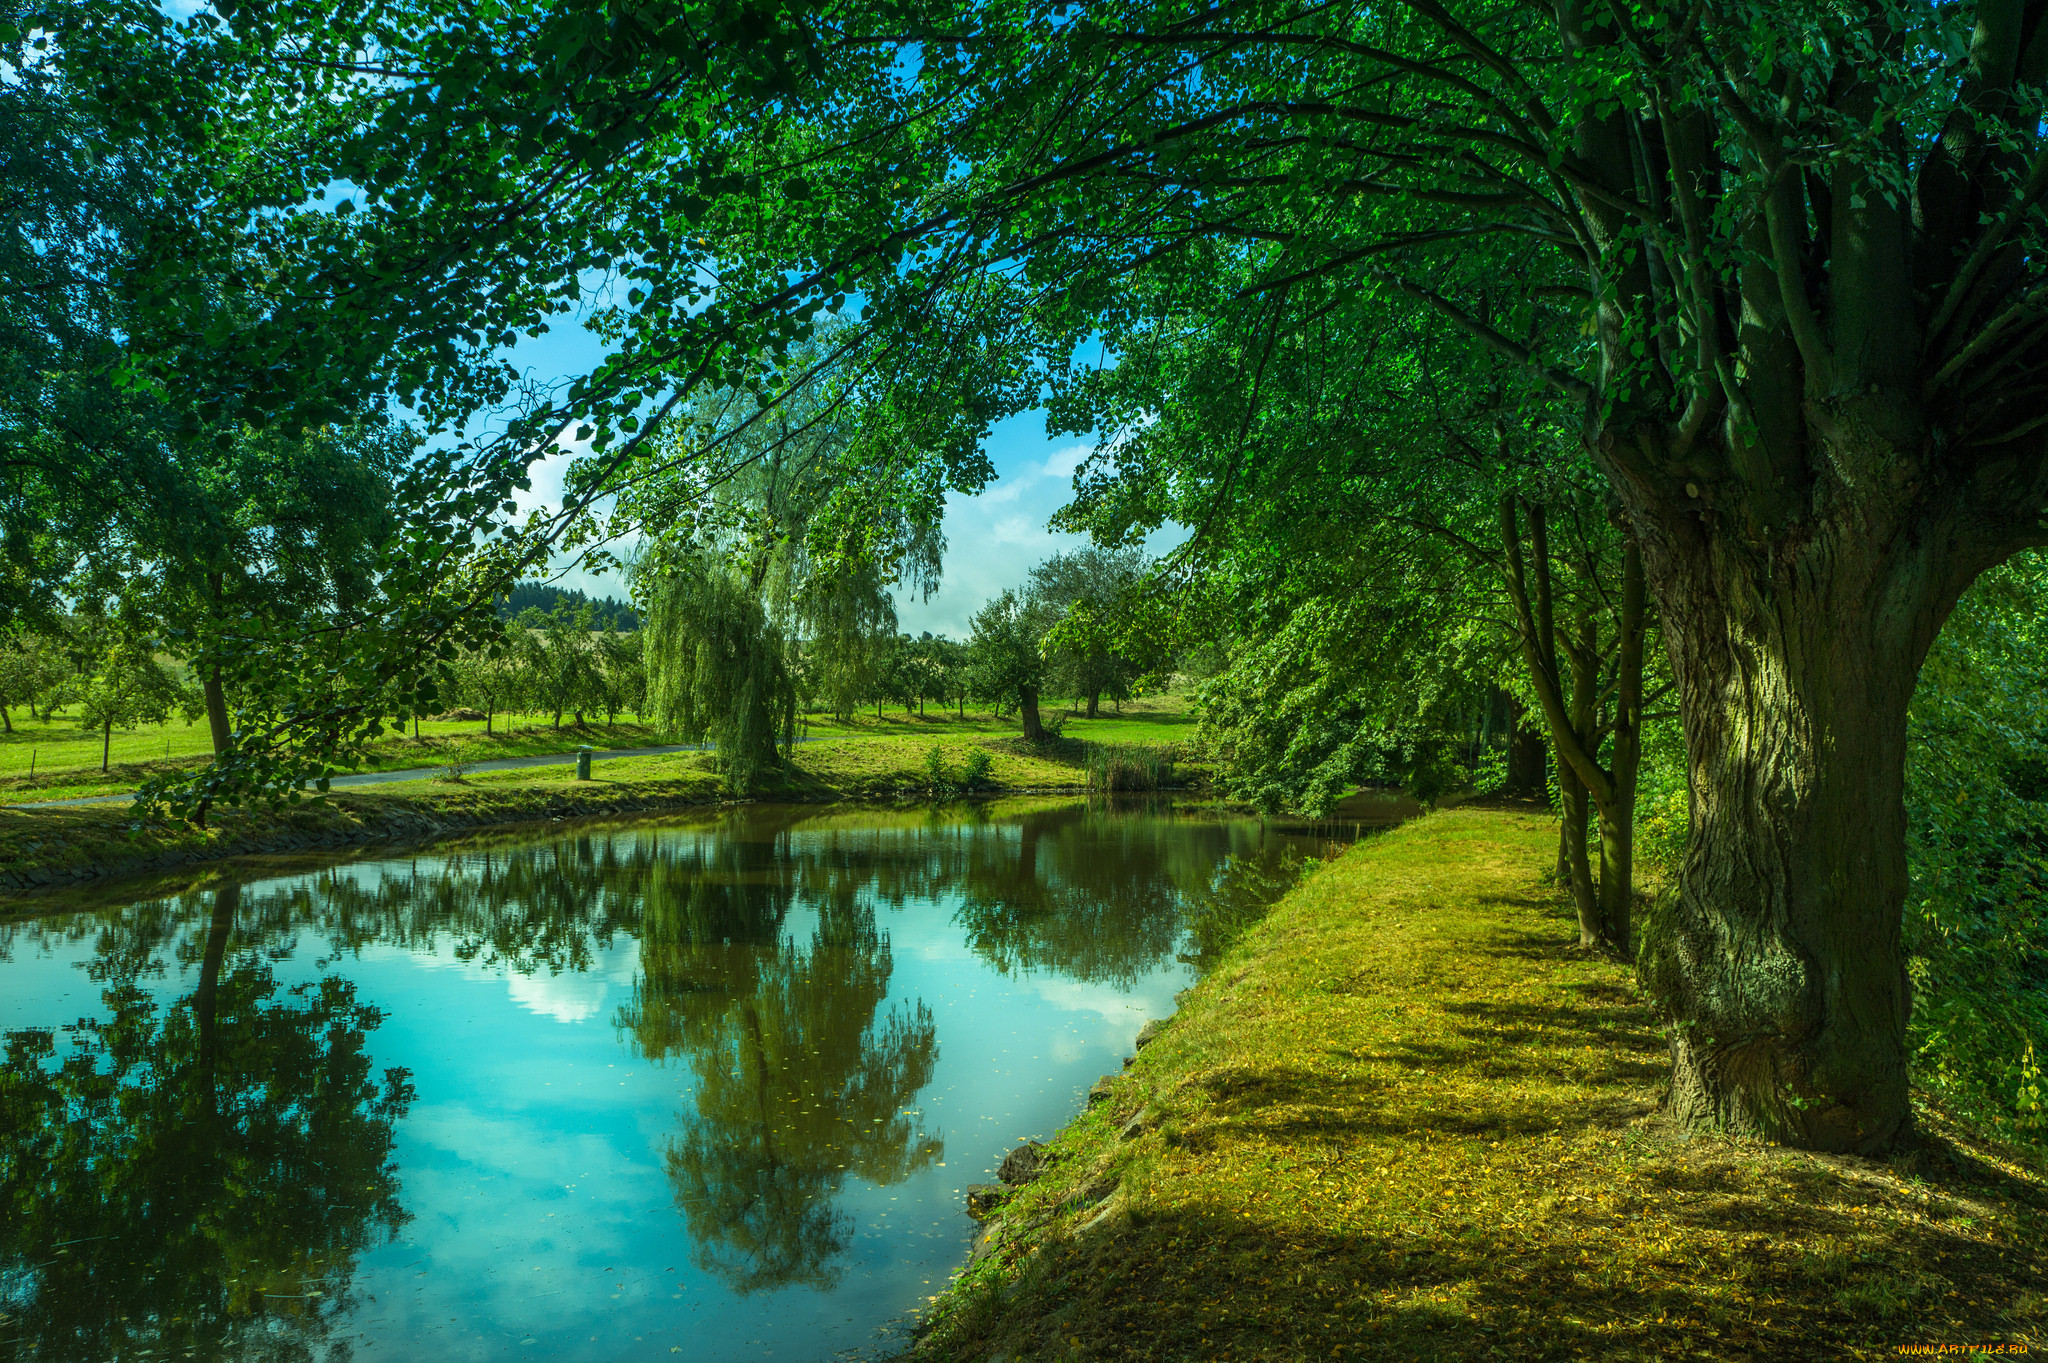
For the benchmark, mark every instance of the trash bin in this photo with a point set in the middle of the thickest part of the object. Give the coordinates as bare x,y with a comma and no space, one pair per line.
583,764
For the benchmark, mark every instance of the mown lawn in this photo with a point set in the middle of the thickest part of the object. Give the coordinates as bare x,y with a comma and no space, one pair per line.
1157,719
66,760
1408,1119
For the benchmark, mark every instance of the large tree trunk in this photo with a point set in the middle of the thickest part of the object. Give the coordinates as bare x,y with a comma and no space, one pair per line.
1778,954
1094,703
1027,706
8,720
217,711
1527,753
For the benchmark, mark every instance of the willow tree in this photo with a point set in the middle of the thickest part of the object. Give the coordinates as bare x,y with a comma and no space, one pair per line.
717,667
795,505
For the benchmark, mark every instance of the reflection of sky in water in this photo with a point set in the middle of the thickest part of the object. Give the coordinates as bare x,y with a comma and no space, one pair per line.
532,1166
543,1221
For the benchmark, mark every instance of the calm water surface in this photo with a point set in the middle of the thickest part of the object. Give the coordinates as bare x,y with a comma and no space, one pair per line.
705,1087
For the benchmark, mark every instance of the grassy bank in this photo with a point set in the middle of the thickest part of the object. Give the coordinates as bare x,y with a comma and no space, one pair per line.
1406,1119
55,759
438,742
42,847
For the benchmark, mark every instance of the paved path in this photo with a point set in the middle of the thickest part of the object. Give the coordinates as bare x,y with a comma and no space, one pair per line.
375,778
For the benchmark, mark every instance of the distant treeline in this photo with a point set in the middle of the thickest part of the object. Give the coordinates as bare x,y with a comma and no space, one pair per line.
608,613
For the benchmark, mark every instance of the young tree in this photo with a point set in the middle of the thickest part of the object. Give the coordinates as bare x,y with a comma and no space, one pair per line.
930,657
487,677
1091,655
126,687
954,677
1004,663
622,673
558,660
31,668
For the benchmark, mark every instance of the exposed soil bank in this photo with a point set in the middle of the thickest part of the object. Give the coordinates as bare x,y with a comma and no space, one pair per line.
1407,1119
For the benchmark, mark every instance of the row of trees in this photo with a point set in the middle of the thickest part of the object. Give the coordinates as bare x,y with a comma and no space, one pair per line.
556,663
109,671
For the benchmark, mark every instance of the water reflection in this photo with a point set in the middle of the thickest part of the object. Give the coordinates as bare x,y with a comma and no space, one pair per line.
800,1079
213,1149
196,1177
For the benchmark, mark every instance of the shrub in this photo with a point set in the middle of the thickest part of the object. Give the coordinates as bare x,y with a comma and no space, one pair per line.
1129,766
975,775
936,775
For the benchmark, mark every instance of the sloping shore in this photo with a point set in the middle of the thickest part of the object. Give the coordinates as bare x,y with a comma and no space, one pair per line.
52,848
1407,1119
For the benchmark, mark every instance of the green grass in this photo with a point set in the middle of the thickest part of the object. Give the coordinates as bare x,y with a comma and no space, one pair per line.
1406,1119
833,770
1130,766
1144,719
67,760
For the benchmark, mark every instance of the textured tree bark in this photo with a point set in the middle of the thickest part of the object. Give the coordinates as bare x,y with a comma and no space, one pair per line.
1582,662
1094,704
1527,754
1027,707
1778,954
217,711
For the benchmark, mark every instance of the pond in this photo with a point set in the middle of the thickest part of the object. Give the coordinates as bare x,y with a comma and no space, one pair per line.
704,1086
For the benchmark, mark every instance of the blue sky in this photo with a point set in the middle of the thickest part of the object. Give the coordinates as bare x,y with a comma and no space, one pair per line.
992,540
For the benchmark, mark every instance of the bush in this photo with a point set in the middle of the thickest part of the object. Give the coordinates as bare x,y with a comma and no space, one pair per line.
975,775
1129,766
936,775
1976,930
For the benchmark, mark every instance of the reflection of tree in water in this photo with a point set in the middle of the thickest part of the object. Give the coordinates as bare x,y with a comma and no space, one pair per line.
233,1142
1089,893
1244,886
193,1180
799,1083
549,906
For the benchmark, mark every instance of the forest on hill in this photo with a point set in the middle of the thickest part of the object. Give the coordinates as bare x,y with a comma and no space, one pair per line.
608,612
1647,404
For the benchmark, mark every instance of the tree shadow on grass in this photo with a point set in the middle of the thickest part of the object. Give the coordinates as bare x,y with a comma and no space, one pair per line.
1732,1274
